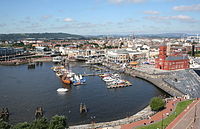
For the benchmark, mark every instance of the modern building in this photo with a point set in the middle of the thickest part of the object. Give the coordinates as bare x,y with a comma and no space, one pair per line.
5,51
122,55
170,62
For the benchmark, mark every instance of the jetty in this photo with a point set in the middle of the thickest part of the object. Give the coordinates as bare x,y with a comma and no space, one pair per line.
118,86
92,74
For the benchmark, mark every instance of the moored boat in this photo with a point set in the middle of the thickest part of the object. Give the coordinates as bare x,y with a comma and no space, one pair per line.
66,80
57,59
56,68
62,89
78,80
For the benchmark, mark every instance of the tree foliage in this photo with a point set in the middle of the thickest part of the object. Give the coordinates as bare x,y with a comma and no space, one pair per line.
157,104
4,125
24,125
41,123
18,44
58,122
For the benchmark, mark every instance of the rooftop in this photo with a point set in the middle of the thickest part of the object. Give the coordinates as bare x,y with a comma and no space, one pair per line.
176,58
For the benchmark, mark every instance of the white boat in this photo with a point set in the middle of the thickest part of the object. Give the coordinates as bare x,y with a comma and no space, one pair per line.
70,74
62,89
80,76
76,77
57,59
109,80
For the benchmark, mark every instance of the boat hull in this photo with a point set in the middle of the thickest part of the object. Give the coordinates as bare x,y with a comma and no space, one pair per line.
66,80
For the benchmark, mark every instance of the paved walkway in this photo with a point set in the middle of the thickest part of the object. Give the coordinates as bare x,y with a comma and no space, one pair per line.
188,119
157,117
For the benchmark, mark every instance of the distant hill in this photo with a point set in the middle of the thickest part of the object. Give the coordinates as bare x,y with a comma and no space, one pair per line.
164,35
39,36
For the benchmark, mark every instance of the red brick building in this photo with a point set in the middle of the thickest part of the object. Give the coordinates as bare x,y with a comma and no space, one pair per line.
171,62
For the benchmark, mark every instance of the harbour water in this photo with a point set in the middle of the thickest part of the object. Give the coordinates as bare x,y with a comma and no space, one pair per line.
22,90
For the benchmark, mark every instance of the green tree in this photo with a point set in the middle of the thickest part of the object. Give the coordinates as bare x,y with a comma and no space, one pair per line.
4,125
41,123
18,45
58,122
24,125
157,104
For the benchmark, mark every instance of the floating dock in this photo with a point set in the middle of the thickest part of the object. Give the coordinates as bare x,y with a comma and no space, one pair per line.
119,85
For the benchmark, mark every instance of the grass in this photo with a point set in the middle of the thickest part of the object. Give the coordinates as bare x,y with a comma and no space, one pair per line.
158,125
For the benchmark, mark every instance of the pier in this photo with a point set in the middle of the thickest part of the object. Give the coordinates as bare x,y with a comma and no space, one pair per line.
117,86
92,74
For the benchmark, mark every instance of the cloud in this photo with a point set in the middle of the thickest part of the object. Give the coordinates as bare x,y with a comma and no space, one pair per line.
151,12
46,17
187,8
68,20
181,18
127,21
125,1
2,25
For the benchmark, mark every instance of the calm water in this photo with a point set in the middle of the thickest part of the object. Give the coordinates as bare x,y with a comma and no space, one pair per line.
22,90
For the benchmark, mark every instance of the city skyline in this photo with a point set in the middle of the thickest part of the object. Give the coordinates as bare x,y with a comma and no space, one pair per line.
94,17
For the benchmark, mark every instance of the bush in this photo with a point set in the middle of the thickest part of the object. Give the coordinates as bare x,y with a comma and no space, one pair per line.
4,125
24,125
41,123
58,122
157,104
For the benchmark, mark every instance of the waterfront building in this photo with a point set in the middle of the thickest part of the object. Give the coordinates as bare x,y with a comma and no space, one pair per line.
122,55
73,53
5,51
170,62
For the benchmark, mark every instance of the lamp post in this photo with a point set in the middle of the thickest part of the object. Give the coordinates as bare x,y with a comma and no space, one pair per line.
162,121
195,113
5,55
92,121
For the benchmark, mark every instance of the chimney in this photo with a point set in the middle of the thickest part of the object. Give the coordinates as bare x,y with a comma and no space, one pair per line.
193,52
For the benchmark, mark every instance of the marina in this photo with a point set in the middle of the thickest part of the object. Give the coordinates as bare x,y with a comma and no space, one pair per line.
40,87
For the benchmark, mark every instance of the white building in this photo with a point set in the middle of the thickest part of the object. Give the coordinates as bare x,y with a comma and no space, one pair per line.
122,55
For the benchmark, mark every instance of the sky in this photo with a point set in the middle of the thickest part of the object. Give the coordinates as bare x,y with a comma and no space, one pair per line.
96,17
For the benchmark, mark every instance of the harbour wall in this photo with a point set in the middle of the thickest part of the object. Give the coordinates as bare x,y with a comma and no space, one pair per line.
26,61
